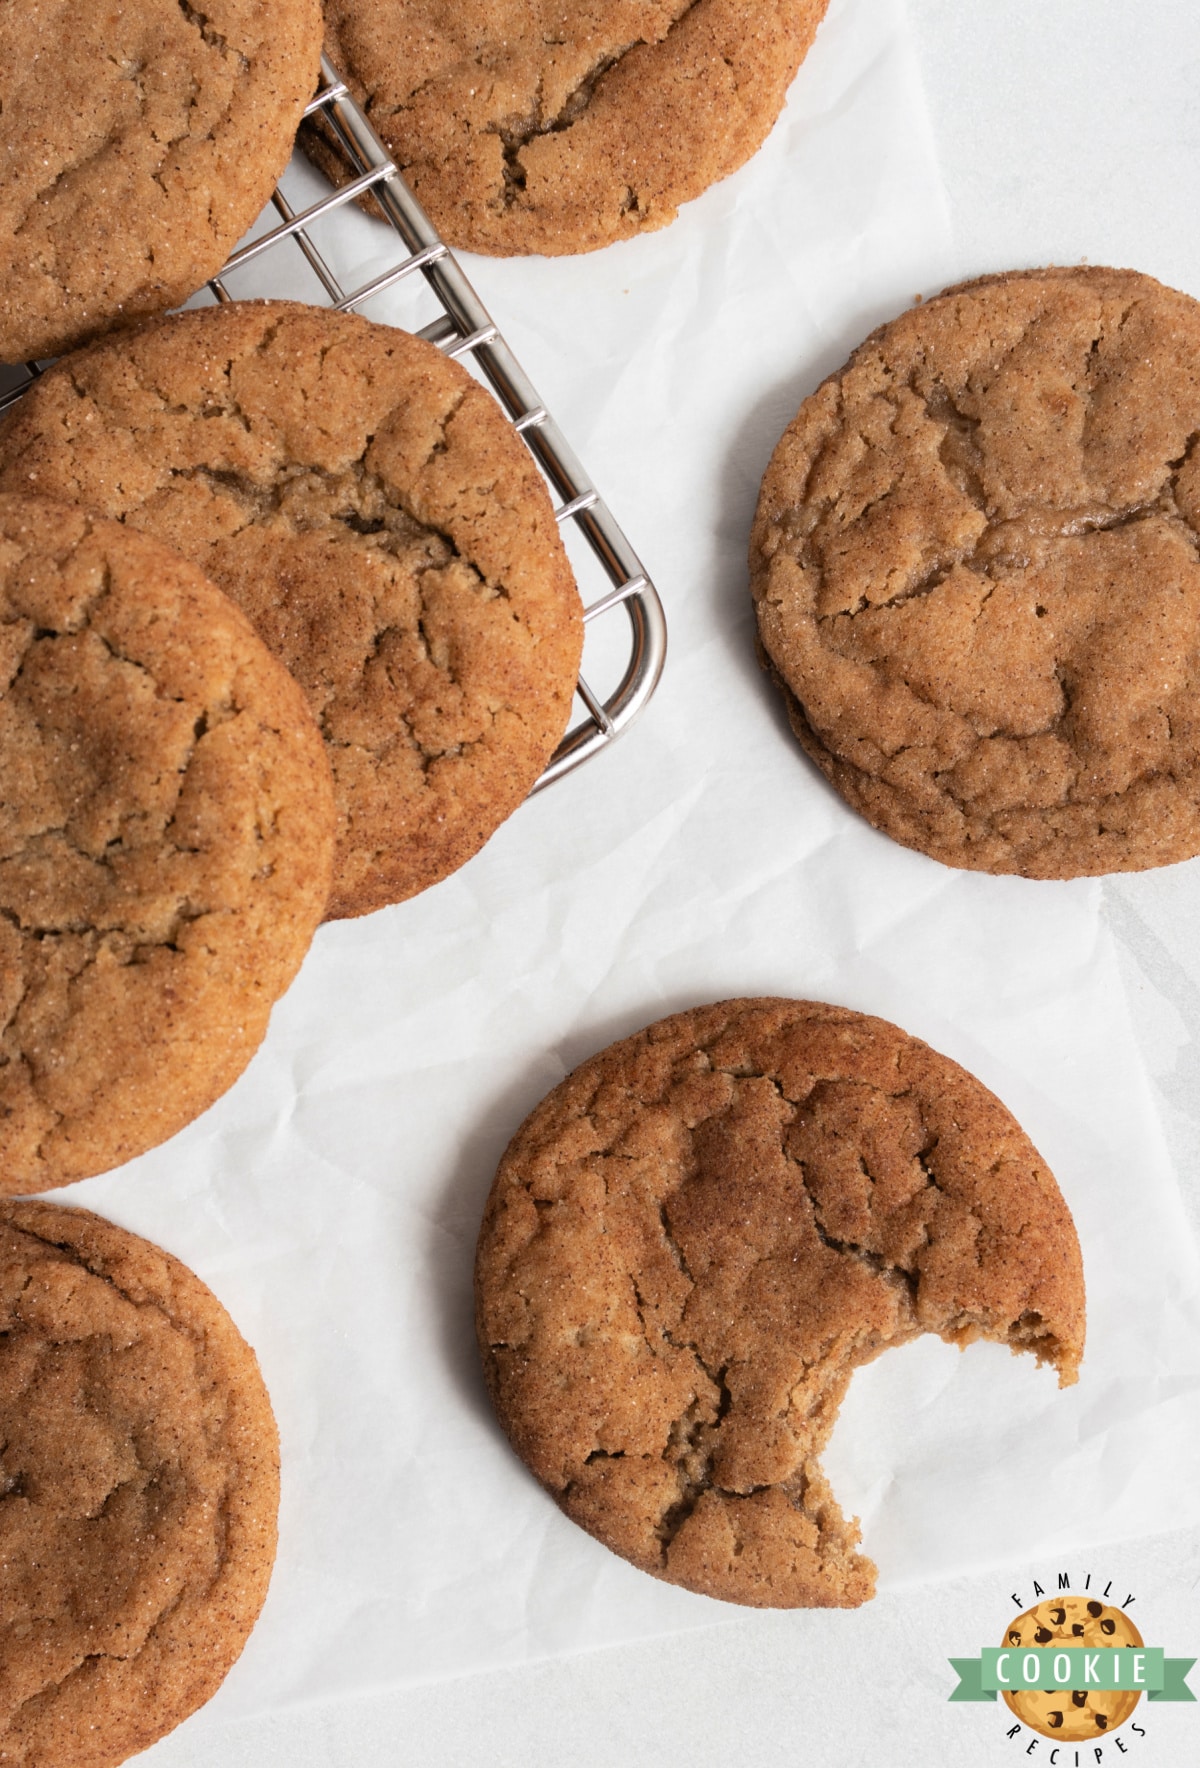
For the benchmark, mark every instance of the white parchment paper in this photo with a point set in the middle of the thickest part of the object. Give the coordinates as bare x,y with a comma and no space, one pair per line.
332,1198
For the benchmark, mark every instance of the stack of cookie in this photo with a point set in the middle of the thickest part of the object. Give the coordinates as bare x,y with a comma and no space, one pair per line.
367,505
354,492
288,629
168,816
167,835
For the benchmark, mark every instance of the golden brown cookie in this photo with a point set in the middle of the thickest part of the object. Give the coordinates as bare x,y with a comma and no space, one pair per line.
548,128
384,527
1072,1715
137,143
166,838
139,1484
975,570
694,1241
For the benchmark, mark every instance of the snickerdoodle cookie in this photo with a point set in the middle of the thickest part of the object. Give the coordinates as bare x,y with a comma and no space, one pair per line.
166,841
139,1484
137,143
548,128
975,565
384,527
694,1241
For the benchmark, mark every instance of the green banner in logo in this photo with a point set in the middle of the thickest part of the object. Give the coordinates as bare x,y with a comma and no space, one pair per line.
1072,1666
969,1687
1144,1669
1174,1686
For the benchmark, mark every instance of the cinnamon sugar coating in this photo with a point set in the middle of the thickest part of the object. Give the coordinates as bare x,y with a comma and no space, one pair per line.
694,1241
139,1484
554,128
137,144
166,840
372,511
976,569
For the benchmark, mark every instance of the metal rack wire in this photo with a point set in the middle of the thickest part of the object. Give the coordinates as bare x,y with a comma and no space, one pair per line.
464,329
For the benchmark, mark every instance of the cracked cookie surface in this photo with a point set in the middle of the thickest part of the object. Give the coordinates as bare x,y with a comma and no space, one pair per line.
554,128
976,571
369,507
137,143
139,1484
166,841
697,1237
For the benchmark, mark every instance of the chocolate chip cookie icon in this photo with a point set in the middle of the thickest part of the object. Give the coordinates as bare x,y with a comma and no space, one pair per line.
1072,1715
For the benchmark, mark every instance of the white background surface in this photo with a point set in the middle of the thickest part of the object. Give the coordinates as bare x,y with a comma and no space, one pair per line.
702,857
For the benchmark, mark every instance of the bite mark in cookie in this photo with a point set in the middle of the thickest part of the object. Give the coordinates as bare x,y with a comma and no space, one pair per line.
693,1242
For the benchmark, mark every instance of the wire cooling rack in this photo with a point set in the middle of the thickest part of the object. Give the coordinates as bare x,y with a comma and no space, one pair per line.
318,246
